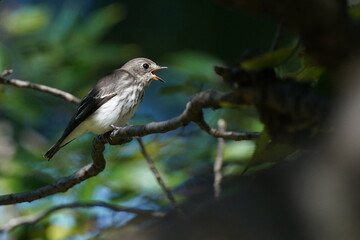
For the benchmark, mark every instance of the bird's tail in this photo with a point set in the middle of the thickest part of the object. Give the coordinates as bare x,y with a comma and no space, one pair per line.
51,152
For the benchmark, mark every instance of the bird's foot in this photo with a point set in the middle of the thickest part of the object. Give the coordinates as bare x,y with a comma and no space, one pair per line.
120,141
114,127
118,127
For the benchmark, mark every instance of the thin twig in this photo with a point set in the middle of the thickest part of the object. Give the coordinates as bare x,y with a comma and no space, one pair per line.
228,135
219,161
6,73
39,87
156,174
16,222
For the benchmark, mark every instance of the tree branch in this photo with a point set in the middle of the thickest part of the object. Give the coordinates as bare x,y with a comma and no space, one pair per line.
292,111
39,87
63,184
157,175
16,222
219,161
192,113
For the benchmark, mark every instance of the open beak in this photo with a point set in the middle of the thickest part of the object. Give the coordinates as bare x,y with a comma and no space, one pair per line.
155,70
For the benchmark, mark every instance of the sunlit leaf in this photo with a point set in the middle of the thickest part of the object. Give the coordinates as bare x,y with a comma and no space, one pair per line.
55,232
309,73
14,21
268,60
238,150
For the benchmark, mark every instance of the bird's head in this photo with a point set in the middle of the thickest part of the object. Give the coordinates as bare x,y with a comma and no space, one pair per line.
143,70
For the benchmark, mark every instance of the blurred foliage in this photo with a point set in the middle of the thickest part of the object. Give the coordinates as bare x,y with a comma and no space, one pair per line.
71,45
268,60
354,12
36,19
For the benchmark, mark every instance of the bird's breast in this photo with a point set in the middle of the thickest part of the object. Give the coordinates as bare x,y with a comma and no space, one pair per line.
117,111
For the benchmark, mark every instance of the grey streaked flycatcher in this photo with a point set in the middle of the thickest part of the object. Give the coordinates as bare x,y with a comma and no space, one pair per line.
112,101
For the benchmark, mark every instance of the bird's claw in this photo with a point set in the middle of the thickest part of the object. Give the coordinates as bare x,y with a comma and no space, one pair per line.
114,127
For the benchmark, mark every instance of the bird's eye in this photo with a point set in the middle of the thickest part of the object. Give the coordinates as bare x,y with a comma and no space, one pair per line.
145,65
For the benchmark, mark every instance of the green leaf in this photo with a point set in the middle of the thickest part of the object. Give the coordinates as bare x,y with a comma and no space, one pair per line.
354,12
268,152
260,147
239,150
268,60
309,73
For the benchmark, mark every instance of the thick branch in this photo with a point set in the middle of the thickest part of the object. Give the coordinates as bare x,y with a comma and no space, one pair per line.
16,222
192,113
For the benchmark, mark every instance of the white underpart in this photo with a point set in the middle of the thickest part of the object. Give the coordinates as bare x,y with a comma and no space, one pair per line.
117,111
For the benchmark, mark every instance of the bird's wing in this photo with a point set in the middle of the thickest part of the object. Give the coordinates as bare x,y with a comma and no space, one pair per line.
102,92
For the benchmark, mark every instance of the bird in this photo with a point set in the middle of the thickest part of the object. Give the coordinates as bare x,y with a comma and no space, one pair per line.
112,101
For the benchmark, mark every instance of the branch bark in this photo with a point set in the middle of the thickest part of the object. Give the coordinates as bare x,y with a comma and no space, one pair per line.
192,113
219,161
39,87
